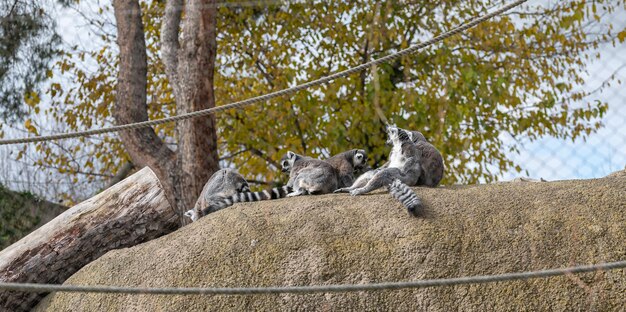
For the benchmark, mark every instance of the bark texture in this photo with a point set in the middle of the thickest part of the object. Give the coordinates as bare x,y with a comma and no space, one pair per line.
143,145
197,139
337,239
131,212
189,67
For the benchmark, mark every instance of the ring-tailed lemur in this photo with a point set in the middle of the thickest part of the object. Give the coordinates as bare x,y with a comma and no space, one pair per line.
431,161
218,203
308,175
347,163
286,165
224,182
404,166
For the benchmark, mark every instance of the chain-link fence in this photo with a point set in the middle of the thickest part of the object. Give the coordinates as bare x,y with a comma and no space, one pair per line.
600,153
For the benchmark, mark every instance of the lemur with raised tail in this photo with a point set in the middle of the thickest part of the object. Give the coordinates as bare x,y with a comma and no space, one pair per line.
431,161
225,184
403,167
308,175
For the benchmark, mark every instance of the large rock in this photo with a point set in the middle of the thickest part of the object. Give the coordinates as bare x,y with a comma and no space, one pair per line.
335,239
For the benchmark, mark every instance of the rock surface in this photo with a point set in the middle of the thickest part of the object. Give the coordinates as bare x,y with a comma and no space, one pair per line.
335,239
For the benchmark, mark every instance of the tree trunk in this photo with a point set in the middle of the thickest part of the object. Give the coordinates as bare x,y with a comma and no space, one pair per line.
143,145
131,212
190,72
197,138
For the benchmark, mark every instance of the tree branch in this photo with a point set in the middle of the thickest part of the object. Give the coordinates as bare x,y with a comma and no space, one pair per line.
234,154
264,157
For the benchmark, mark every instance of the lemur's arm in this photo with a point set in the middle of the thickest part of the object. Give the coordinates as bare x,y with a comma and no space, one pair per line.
361,181
411,171
382,178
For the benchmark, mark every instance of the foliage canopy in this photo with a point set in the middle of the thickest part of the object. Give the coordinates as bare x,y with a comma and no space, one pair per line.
474,96
28,43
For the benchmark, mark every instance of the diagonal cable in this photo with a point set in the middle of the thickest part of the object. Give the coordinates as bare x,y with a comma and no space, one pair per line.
272,95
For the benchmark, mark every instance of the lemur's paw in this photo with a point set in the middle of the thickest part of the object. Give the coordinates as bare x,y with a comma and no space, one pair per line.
294,194
191,214
357,192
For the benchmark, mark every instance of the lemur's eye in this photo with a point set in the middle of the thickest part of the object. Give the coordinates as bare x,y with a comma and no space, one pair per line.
285,163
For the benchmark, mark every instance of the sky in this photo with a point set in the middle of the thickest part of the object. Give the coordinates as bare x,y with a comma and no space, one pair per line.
548,158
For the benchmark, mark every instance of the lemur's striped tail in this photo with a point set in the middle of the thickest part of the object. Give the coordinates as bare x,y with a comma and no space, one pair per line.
406,196
221,203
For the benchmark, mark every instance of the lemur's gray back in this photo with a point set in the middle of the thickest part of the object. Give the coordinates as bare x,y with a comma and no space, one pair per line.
347,163
416,136
308,175
431,161
293,168
223,183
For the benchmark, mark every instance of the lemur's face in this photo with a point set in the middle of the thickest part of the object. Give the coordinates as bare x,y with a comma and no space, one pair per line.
393,134
192,214
360,159
397,135
286,162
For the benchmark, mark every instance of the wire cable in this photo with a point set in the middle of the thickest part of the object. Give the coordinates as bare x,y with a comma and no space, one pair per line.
480,279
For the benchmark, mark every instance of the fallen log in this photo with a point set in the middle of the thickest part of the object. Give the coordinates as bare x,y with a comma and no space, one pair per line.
132,211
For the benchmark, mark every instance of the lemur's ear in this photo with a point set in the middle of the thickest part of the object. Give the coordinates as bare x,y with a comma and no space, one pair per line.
410,135
189,213
291,154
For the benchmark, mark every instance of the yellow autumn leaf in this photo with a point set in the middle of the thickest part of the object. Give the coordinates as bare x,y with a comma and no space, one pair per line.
28,124
621,36
31,99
